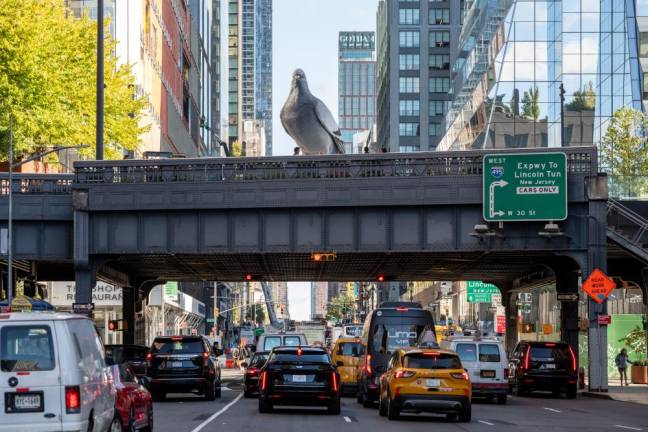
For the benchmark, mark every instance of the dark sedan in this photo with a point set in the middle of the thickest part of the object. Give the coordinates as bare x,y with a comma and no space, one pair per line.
134,355
299,376
252,373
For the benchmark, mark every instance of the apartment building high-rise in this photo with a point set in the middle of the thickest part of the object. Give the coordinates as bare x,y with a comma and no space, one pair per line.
216,74
319,299
169,46
417,42
250,70
356,85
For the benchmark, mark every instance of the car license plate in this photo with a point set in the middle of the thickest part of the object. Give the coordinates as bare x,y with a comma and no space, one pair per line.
433,382
299,378
549,366
176,364
488,374
23,402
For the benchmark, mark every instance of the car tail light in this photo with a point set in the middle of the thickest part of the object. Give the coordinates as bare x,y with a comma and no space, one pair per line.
367,365
573,358
72,400
264,380
299,351
431,354
253,371
176,338
334,381
205,357
402,309
460,375
527,357
550,344
149,358
404,374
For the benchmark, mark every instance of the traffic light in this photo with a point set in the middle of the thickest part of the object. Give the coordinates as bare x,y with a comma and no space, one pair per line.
323,256
381,278
113,325
249,277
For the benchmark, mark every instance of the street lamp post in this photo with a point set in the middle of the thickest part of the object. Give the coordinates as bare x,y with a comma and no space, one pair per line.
100,80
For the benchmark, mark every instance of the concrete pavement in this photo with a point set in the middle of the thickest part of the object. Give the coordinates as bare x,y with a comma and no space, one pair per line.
538,413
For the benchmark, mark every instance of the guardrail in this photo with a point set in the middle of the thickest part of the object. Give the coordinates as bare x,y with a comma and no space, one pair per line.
581,161
56,184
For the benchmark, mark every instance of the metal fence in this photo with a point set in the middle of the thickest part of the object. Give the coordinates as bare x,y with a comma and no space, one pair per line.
58,184
581,161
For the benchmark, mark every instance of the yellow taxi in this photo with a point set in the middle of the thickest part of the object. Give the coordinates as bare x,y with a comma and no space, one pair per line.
425,380
347,354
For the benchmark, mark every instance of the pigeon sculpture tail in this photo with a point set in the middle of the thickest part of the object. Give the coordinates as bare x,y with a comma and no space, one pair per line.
308,121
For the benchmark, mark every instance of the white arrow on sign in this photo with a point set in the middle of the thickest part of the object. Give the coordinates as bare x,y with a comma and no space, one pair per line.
491,191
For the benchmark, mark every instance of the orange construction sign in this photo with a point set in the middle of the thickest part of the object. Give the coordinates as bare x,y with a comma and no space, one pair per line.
598,286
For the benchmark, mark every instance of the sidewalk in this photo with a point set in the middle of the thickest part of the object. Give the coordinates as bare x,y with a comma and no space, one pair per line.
636,393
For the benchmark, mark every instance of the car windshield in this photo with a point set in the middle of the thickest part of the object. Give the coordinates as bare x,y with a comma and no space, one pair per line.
182,346
26,348
489,353
432,361
467,352
349,349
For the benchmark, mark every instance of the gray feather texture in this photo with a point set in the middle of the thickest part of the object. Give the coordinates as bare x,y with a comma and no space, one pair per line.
308,121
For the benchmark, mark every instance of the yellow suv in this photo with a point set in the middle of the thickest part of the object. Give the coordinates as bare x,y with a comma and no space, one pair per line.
425,380
346,356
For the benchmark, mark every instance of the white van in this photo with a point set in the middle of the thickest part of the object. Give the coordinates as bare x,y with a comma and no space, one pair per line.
272,340
486,362
53,375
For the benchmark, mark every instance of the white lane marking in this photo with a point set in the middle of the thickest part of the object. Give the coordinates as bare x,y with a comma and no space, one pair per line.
347,419
553,410
486,423
210,419
628,427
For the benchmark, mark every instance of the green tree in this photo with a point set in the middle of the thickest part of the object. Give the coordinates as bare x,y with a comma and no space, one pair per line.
624,148
584,100
530,104
47,82
342,306
237,149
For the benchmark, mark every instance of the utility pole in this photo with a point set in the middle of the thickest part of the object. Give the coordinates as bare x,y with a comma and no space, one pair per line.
562,115
10,222
100,80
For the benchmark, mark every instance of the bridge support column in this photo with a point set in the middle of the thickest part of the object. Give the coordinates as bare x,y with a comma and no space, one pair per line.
510,304
567,282
85,281
84,269
129,300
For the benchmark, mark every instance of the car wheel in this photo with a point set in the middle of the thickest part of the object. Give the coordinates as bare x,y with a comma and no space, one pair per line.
218,391
571,391
393,412
334,408
382,407
247,394
116,425
264,407
501,399
466,414
210,392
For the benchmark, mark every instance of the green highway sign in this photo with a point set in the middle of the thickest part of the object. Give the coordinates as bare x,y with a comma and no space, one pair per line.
480,292
525,187
480,298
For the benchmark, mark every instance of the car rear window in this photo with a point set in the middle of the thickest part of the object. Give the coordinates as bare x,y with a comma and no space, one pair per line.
258,360
271,342
549,354
26,348
183,346
347,348
317,357
489,353
292,341
467,352
432,361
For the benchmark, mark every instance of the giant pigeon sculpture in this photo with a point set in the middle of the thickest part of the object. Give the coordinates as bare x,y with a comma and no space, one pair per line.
308,121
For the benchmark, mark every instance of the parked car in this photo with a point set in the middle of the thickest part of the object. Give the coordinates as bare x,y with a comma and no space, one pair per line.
425,380
133,405
302,376
251,378
183,364
486,362
134,355
269,341
347,353
550,366
53,374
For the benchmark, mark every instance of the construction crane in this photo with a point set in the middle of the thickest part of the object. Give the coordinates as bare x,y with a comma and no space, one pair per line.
267,293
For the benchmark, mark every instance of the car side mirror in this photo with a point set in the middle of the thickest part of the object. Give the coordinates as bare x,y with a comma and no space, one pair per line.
339,363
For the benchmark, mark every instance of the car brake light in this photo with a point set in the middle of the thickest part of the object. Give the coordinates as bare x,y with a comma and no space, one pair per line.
527,357
550,344
431,354
402,309
404,374
367,365
299,351
264,380
460,375
72,400
176,338
334,381
253,371
149,358
573,357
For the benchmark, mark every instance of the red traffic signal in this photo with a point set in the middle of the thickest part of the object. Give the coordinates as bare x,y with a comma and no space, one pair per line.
249,277
381,278
113,325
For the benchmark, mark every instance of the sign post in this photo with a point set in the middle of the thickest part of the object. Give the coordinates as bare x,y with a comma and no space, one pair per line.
525,187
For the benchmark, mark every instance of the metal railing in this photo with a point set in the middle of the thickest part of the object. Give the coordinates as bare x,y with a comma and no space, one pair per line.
627,223
580,161
56,184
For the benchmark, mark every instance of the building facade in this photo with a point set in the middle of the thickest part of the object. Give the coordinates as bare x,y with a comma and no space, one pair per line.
319,299
216,74
356,85
417,44
250,68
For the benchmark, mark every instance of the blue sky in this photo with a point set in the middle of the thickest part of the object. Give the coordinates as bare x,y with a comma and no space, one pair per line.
305,36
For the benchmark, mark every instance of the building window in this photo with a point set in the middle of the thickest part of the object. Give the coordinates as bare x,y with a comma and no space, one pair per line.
435,129
439,39
411,39
439,85
408,129
440,61
409,62
409,16
439,16
409,84
437,107
409,108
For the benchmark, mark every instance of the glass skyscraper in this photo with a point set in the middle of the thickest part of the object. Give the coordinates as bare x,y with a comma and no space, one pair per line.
516,55
356,84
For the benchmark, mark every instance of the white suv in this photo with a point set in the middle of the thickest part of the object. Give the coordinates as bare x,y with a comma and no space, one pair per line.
53,375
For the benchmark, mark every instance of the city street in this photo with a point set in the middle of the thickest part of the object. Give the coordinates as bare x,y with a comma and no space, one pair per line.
536,413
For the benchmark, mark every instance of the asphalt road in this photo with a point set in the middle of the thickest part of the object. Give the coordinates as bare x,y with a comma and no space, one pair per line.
232,413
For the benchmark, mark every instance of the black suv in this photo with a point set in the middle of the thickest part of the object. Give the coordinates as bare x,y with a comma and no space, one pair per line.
183,364
302,376
550,366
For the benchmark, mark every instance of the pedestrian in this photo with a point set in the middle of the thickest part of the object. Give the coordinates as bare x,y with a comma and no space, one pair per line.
622,360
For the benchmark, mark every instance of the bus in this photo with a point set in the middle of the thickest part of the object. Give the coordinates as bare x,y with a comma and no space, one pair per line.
391,326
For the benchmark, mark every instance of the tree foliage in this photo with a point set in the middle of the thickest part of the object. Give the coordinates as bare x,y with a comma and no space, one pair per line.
624,149
584,100
530,104
342,306
48,82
